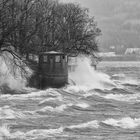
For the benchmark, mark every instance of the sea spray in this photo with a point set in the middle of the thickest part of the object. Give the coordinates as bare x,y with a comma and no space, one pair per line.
90,124
86,78
126,123
82,105
33,94
4,132
11,73
55,109
123,98
8,113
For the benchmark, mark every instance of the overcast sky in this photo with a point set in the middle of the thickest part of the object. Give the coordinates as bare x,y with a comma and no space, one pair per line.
113,16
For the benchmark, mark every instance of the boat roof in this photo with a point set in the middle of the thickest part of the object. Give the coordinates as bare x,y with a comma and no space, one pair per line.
52,53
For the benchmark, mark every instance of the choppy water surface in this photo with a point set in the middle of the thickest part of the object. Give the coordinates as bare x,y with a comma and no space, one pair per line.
108,111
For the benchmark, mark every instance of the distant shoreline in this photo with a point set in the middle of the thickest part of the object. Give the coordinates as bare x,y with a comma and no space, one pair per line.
121,58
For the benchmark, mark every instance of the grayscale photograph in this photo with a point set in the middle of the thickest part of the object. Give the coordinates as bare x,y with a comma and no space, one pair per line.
69,69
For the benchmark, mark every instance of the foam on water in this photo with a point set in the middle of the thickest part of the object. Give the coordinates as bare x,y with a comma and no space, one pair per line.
50,99
126,123
58,103
60,108
33,94
44,133
7,113
91,124
90,93
76,88
118,96
82,105
123,79
122,97
120,75
130,81
32,134
4,132
47,92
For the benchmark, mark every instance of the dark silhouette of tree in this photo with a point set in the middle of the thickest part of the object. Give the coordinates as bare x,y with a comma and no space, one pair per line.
78,30
32,26
69,29
13,28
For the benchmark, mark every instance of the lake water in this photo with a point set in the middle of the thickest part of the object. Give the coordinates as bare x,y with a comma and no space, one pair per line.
103,105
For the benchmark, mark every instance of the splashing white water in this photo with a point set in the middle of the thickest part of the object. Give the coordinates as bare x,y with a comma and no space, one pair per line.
33,134
130,81
51,99
125,79
4,132
11,74
33,94
124,98
126,123
55,109
87,78
91,124
82,105
117,97
7,113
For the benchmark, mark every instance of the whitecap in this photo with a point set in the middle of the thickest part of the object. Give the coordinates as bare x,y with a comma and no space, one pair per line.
122,97
42,133
126,123
117,97
130,81
82,105
76,88
6,135
32,134
55,109
7,113
91,124
86,78
90,93
46,92
120,75
50,99
37,94
4,131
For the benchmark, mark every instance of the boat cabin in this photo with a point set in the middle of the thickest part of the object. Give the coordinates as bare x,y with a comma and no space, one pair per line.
52,70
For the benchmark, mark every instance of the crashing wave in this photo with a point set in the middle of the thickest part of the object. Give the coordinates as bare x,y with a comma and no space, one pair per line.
126,123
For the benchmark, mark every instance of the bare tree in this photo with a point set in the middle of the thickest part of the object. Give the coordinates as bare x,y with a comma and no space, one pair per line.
67,28
74,31
12,13
32,26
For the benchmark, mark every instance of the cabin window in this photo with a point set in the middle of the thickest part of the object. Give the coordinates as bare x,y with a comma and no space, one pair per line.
57,59
45,58
64,58
33,57
30,56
